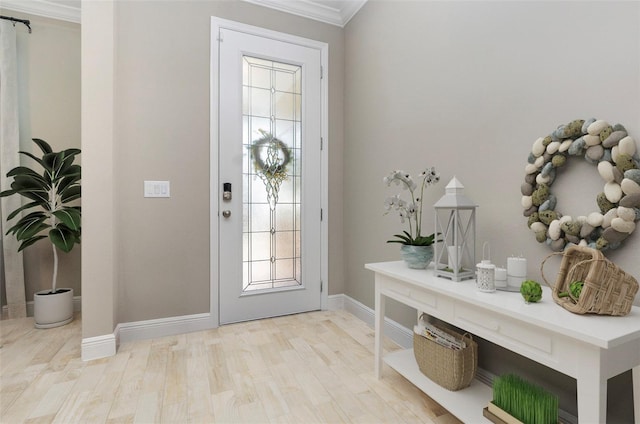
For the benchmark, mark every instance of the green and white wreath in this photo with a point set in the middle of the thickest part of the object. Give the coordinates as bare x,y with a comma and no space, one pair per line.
272,168
614,153
276,155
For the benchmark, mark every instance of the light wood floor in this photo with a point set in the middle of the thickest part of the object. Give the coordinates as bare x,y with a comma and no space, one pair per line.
308,368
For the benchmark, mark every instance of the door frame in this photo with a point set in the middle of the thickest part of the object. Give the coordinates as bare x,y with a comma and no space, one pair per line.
214,188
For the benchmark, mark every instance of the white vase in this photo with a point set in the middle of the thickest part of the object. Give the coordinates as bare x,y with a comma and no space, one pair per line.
53,309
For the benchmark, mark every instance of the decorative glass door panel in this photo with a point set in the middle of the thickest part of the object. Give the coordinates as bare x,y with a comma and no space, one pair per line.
269,227
271,174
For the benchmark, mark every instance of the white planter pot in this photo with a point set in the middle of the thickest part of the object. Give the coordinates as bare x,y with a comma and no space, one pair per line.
53,309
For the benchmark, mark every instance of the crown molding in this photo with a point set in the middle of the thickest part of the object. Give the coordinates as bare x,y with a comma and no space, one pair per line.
45,8
339,15
349,9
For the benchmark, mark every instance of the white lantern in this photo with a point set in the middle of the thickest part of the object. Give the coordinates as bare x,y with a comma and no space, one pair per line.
455,220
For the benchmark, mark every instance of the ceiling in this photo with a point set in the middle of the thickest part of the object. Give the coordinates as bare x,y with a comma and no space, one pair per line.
334,12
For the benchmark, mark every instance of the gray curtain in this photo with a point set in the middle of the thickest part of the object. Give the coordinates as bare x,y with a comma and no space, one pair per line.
12,266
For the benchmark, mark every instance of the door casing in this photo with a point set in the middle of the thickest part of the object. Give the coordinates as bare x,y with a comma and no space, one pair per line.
215,183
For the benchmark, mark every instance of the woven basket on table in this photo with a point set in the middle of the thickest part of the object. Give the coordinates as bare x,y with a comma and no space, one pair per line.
451,369
607,289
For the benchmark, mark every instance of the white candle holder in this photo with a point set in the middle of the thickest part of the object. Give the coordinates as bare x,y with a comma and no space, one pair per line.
501,278
516,273
485,280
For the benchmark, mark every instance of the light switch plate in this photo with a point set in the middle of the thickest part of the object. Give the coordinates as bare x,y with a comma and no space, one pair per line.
157,189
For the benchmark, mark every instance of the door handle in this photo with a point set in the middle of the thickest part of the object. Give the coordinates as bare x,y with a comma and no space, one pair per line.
226,213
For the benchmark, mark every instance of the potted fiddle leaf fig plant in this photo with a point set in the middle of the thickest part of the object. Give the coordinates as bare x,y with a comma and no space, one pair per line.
48,192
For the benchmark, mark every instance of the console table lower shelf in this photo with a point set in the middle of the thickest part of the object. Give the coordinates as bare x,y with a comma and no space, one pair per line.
465,404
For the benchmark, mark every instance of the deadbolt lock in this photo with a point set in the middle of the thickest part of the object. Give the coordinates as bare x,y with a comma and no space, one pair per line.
226,191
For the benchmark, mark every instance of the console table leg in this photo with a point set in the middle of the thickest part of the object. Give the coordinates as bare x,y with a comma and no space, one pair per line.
636,394
379,331
592,398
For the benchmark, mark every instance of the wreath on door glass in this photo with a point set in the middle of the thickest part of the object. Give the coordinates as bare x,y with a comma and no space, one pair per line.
270,159
614,153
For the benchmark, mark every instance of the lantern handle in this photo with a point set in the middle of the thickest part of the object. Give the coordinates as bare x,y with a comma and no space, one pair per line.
484,246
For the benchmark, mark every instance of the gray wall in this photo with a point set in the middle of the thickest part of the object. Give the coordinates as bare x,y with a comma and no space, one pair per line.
468,87
49,89
162,133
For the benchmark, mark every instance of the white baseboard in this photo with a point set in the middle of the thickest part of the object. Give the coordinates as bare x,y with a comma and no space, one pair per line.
140,330
396,332
77,306
336,302
162,327
98,347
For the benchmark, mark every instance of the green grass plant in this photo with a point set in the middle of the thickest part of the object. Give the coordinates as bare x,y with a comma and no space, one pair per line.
525,401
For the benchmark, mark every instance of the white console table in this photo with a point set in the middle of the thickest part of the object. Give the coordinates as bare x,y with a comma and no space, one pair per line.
589,348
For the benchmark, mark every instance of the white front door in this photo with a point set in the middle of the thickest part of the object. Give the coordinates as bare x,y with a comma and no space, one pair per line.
269,163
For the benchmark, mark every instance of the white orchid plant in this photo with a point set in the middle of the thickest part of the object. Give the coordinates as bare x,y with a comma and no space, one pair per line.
410,210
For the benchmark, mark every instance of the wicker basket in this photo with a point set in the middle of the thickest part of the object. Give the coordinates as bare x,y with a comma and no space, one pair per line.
451,369
607,289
